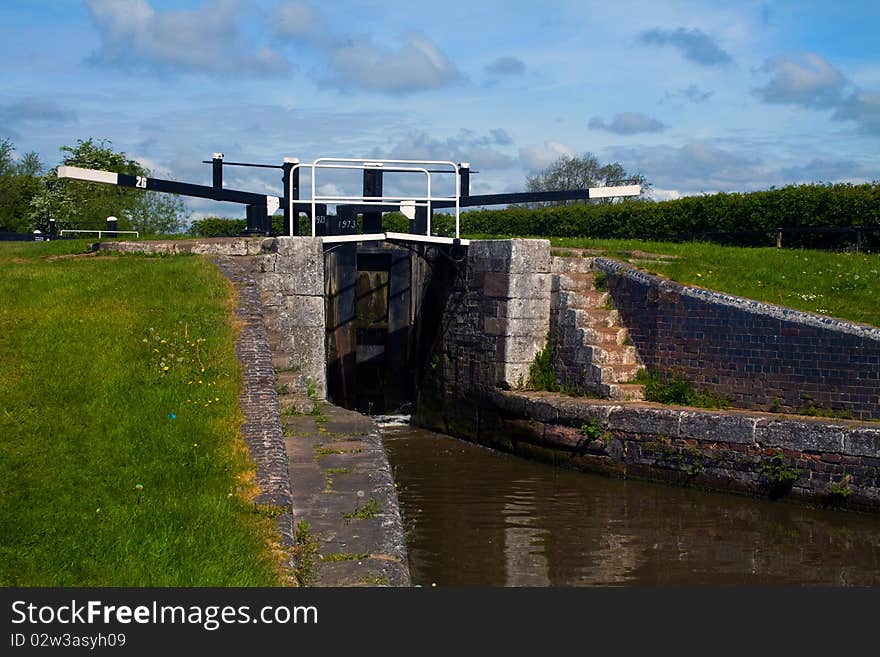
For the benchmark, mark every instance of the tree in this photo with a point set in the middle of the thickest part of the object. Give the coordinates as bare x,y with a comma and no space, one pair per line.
81,204
19,183
568,172
158,214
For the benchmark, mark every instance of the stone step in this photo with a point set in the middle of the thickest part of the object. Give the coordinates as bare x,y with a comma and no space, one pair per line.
599,317
294,404
620,372
575,265
625,391
596,298
615,354
576,282
579,318
602,335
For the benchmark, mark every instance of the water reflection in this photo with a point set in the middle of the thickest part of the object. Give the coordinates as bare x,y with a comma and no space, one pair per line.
476,517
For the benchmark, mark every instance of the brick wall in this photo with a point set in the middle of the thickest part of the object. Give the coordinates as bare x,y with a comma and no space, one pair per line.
759,354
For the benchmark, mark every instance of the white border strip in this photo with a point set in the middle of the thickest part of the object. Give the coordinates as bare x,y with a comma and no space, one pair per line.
94,175
365,237
608,192
427,239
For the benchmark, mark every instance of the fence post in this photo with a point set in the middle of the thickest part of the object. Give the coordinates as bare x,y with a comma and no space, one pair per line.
290,179
858,240
217,170
779,238
373,188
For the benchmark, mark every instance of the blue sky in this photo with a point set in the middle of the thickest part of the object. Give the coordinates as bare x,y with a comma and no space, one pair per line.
697,96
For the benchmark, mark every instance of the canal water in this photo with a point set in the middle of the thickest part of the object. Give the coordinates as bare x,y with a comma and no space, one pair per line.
477,517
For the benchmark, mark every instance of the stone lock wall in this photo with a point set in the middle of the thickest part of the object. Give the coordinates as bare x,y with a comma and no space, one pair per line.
760,355
498,314
494,310
291,282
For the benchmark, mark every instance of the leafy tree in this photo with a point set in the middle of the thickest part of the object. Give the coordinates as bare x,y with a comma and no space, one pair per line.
568,172
81,204
158,214
19,183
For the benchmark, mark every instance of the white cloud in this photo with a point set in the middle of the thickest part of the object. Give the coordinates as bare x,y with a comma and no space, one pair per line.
35,111
665,194
804,79
863,107
417,65
466,146
296,20
693,44
506,66
628,123
539,156
208,39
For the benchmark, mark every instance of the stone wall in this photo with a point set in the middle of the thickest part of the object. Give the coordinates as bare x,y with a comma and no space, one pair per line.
500,313
495,318
760,355
826,462
292,285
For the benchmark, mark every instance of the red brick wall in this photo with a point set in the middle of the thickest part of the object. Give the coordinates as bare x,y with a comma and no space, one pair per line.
758,354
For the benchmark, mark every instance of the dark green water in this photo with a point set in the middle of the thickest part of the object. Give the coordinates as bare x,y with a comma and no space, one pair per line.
476,517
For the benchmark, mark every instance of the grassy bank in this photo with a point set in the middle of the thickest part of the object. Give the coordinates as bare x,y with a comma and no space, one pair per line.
121,462
842,285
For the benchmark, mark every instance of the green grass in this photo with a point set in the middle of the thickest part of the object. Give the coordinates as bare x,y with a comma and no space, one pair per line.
367,510
115,471
842,285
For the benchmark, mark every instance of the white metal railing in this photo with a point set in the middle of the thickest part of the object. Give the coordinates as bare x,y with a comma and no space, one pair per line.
115,232
407,203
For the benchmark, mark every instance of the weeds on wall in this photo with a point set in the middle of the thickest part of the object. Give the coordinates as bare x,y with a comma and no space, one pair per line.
675,388
542,374
778,475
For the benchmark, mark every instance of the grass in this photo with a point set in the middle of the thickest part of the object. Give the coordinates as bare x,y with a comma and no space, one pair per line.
121,462
364,512
842,285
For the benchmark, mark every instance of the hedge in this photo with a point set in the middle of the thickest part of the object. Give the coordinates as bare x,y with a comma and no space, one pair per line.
796,206
716,217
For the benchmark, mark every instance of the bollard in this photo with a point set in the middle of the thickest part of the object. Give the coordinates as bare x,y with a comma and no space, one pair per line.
111,227
38,236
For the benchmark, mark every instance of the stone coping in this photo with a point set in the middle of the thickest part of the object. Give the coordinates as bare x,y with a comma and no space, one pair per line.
763,430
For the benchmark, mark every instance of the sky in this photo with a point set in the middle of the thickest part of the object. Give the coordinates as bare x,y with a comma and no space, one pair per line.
698,97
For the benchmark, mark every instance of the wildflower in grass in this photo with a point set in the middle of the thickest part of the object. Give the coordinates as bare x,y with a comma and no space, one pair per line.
164,368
